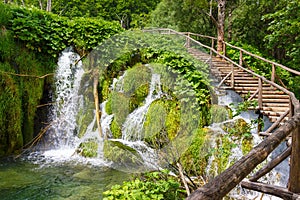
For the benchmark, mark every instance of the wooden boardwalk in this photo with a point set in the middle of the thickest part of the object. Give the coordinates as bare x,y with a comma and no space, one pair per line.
274,102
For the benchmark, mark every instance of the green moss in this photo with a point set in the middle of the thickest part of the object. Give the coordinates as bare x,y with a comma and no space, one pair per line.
194,160
119,106
218,113
121,155
88,148
139,96
115,129
162,122
135,78
11,115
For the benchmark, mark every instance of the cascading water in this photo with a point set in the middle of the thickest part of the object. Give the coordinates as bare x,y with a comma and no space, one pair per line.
132,127
67,83
276,177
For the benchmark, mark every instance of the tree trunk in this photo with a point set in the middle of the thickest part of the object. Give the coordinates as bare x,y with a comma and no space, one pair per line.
96,99
217,188
221,23
41,4
49,5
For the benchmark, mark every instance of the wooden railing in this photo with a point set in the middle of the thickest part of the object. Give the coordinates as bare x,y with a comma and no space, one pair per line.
247,163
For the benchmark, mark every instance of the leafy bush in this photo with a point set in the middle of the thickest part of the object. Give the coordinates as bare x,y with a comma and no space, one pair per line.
49,33
154,186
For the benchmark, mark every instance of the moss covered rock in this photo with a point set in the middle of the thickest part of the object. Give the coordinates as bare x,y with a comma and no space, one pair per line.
121,155
162,123
195,159
88,148
219,113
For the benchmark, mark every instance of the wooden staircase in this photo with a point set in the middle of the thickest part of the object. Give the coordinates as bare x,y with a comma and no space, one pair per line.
274,102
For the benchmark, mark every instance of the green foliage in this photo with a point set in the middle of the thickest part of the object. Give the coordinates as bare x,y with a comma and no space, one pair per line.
283,32
258,66
184,15
156,185
49,33
194,160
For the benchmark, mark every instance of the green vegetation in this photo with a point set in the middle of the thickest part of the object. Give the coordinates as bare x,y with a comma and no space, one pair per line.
49,34
155,185
195,159
88,148
19,96
30,40
162,123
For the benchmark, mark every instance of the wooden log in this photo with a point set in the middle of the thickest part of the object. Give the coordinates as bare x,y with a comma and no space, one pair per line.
274,125
270,189
183,179
294,181
96,99
273,163
218,187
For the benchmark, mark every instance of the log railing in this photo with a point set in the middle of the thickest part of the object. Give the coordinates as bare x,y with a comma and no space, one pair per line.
227,180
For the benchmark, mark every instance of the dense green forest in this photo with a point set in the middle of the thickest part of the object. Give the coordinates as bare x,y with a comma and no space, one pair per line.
33,33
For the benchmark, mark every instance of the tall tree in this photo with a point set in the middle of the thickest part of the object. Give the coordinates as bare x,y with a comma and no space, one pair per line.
49,5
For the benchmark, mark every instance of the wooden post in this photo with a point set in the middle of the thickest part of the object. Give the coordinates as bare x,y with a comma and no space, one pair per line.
232,76
294,181
260,91
273,73
212,46
218,187
224,49
291,108
241,58
211,52
188,40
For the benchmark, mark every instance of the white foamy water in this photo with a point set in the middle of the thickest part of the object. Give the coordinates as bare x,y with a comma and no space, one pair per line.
133,125
67,83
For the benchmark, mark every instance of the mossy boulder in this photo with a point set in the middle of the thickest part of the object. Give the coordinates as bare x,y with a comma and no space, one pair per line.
121,155
115,129
219,113
88,148
162,123
195,158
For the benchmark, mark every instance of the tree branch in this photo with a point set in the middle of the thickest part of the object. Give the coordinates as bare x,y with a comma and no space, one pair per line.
27,75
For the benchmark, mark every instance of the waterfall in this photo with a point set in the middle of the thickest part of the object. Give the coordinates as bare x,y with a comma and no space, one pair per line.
67,83
133,125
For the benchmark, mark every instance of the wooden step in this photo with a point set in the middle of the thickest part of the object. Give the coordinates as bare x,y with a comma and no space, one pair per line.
277,104
246,89
276,109
276,101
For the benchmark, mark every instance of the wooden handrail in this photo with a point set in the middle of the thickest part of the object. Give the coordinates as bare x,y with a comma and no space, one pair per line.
248,162
294,100
263,59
